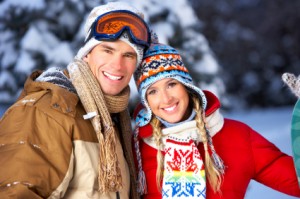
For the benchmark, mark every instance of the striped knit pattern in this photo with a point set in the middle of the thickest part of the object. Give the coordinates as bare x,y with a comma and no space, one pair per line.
160,63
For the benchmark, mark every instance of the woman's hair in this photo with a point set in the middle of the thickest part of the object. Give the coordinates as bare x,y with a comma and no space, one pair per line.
156,125
214,175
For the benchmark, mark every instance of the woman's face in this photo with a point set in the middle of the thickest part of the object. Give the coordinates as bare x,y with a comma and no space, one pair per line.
169,100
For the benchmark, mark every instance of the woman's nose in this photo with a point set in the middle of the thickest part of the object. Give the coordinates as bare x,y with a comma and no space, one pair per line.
166,96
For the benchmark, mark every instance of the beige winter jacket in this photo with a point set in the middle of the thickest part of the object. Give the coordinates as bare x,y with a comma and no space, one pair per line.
47,149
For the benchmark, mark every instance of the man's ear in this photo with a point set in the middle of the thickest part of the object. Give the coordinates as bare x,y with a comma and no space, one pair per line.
85,58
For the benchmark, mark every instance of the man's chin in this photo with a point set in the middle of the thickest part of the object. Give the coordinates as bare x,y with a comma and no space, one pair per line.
111,92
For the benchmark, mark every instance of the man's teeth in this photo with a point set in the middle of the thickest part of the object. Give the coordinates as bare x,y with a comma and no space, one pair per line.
170,108
112,77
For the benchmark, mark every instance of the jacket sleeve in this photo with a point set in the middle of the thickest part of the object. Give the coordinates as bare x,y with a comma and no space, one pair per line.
35,153
273,168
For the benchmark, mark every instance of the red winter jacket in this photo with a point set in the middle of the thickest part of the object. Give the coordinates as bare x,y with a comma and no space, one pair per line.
246,154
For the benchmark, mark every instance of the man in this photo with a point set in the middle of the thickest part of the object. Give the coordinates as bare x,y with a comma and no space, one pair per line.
69,133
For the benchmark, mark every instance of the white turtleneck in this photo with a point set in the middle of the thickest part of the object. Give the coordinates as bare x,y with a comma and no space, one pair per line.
188,129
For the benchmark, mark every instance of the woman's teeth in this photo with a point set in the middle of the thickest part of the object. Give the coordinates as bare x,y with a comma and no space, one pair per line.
170,108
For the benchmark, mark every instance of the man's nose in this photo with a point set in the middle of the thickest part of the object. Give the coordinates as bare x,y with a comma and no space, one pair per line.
117,62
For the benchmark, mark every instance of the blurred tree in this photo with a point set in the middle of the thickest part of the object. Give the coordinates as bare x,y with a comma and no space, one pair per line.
45,33
251,42
255,42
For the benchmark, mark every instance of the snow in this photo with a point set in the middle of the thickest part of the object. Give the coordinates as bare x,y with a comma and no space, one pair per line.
6,49
207,60
164,30
182,12
32,4
274,124
5,78
41,41
25,57
58,57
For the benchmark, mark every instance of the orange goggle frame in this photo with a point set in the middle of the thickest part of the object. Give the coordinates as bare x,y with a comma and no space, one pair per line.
111,25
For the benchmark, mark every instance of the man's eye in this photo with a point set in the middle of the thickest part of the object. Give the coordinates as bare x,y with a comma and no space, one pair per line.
107,51
129,56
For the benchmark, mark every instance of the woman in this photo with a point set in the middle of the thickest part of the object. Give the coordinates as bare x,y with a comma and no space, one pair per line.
184,146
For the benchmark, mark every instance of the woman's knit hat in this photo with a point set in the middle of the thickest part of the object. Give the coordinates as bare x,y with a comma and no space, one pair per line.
161,61
100,10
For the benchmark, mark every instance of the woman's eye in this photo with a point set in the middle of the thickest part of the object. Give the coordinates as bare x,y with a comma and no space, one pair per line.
152,92
172,84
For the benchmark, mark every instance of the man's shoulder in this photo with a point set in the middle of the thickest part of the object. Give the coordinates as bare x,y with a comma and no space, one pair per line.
50,90
49,98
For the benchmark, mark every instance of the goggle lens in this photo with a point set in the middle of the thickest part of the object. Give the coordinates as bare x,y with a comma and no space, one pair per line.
111,25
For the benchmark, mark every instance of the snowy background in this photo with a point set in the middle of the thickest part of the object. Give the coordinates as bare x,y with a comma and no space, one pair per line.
237,49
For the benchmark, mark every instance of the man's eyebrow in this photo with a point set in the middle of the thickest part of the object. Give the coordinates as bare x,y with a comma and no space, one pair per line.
107,47
131,53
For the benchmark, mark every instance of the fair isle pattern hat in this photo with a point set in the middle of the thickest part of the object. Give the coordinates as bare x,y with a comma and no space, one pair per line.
161,61
100,10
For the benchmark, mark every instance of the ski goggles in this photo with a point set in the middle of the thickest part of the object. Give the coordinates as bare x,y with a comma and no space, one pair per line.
111,25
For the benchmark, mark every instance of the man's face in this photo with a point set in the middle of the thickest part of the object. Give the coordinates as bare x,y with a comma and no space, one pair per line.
113,64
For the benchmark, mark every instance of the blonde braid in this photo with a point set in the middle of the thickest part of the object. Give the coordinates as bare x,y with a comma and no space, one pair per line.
213,174
156,125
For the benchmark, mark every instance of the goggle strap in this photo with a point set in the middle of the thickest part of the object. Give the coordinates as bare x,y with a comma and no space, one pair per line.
88,37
